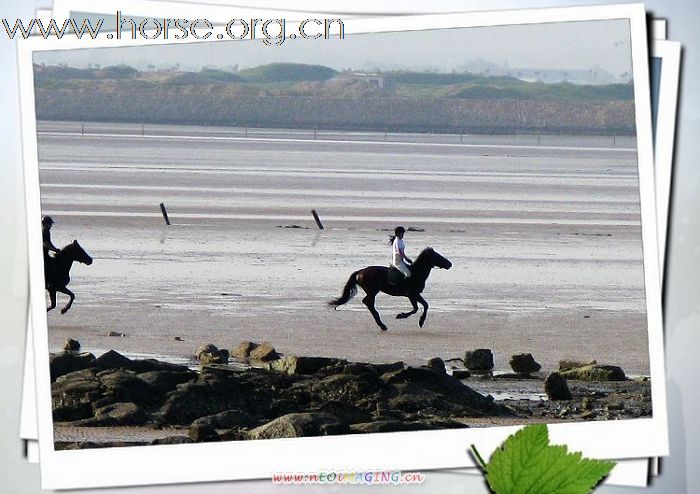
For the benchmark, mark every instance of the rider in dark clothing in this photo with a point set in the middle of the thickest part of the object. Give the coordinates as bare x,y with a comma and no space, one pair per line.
46,223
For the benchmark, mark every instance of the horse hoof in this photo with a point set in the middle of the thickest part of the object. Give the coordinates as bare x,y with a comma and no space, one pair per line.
400,316
421,322
63,311
383,328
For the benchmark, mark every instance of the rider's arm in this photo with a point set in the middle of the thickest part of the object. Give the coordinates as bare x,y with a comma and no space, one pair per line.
405,257
50,246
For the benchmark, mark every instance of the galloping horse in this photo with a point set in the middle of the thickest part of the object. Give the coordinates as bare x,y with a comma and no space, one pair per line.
375,279
57,272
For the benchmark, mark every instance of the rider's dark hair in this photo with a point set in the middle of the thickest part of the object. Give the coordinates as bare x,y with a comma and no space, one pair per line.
397,230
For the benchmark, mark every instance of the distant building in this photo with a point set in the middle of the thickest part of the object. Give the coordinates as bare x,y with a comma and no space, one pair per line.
376,79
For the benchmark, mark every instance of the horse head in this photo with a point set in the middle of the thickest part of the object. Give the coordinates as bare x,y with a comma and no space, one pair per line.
79,253
435,260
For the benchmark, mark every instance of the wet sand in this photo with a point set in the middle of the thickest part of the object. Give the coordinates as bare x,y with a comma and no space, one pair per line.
545,242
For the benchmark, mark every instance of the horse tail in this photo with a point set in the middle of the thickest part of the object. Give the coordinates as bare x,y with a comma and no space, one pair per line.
349,292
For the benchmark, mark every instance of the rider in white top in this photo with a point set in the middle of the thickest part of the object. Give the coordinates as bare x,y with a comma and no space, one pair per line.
399,259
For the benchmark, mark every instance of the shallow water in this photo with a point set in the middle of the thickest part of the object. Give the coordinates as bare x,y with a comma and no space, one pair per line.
545,243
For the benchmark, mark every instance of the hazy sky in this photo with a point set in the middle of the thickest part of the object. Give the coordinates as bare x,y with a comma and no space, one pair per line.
563,45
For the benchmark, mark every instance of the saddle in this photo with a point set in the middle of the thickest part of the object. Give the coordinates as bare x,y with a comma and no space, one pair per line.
395,277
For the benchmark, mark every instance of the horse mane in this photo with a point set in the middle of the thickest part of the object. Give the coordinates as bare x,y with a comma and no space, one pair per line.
423,255
64,251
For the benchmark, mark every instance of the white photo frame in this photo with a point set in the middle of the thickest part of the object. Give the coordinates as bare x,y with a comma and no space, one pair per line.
576,435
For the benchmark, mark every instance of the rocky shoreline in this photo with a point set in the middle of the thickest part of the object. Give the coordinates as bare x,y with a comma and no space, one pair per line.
253,392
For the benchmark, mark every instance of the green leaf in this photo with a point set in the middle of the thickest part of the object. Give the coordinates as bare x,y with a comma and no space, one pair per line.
527,464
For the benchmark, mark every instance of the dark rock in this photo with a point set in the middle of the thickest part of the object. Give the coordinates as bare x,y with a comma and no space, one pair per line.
384,368
203,433
479,360
209,394
70,414
165,381
427,388
71,345
224,420
115,334
64,363
595,372
301,365
524,363
125,386
118,414
264,352
351,388
300,425
172,440
72,395
556,387
209,354
242,351
113,360
566,365
437,363
461,374
152,365
345,411
386,426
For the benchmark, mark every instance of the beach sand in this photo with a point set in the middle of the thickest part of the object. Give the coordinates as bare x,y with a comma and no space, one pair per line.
545,242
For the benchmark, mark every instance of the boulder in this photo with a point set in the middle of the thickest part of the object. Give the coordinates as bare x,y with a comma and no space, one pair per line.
224,420
71,345
152,365
301,365
480,359
209,354
300,425
209,394
400,425
64,363
125,386
242,351
424,388
202,433
556,387
437,363
119,414
350,388
384,368
72,395
595,372
172,440
113,360
524,363
264,352
566,365
166,381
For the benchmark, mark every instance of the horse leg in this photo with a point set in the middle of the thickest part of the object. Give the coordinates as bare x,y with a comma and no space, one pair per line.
422,301
52,296
70,302
369,302
404,315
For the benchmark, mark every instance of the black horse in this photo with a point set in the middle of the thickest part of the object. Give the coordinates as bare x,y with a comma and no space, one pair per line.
375,279
57,272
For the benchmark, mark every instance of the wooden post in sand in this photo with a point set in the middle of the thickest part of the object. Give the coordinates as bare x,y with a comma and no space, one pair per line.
318,220
165,214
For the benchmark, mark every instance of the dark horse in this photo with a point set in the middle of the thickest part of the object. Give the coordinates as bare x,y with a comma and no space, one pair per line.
57,272
375,279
